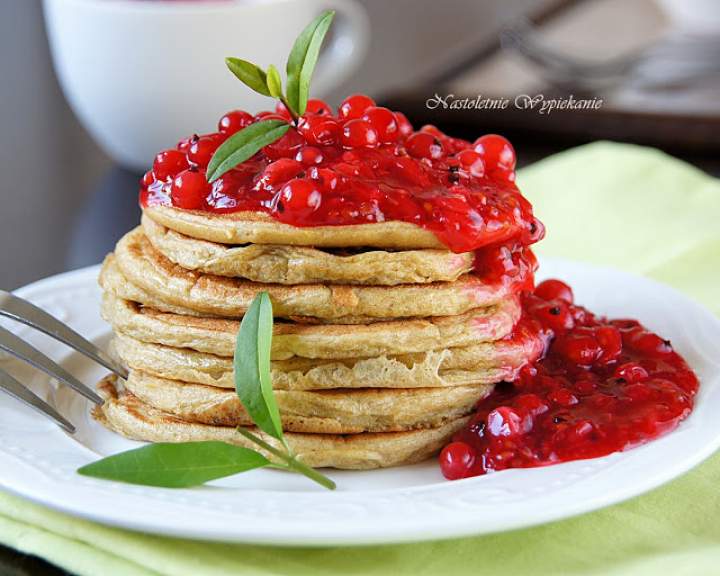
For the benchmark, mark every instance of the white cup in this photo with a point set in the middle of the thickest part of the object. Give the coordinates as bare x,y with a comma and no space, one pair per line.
693,15
142,74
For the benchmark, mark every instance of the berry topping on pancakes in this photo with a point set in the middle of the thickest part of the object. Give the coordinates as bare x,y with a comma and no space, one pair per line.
367,167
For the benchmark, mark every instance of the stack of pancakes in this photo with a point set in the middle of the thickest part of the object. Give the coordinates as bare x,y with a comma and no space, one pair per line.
383,339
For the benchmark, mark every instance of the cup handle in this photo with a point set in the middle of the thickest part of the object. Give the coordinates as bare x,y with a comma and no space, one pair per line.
348,45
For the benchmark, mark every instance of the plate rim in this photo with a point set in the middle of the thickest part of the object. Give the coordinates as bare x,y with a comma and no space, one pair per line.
391,533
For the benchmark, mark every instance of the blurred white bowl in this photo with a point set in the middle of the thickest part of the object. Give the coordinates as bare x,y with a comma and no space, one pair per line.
142,74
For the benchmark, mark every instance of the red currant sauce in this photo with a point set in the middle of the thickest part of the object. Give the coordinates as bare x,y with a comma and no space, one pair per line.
602,386
366,164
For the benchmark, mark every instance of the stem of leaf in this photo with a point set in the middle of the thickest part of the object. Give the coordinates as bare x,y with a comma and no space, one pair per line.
291,461
292,113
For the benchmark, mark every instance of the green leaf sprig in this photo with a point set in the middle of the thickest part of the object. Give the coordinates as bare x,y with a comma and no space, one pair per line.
186,464
244,144
254,387
247,142
176,465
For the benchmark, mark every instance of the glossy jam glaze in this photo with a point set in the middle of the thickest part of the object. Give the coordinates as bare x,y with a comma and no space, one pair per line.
363,165
602,386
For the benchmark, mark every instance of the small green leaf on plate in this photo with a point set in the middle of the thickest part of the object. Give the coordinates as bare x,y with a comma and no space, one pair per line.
243,145
176,465
274,83
252,366
250,74
302,60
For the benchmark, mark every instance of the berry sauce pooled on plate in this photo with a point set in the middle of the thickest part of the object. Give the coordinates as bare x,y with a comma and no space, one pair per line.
602,386
363,165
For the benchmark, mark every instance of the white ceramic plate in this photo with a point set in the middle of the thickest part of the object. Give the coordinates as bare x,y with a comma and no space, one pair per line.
38,460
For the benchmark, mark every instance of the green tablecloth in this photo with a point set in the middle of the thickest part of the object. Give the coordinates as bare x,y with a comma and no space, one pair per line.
624,206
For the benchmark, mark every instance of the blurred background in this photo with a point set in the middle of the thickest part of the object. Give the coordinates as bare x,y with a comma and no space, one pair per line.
92,88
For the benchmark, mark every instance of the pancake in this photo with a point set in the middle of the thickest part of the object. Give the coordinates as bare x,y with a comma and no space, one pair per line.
341,411
145,267
479,364
217,336
259,228
283,264
127,415
112,281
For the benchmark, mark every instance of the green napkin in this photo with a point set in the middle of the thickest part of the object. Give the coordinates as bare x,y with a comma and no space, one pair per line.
624,206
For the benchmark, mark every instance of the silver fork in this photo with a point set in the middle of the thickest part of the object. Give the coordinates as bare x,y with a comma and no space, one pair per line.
23,311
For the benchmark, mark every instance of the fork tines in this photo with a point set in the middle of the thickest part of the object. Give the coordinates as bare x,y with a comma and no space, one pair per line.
23,311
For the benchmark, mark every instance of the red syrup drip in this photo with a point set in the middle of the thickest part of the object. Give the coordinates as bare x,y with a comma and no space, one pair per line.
602,386
363,165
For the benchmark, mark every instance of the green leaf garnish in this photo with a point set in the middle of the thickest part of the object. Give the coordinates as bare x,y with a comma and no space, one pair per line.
252,366
302,60
300,66
243,145
176,465
290,461
274,83
249,74
186,464
254,387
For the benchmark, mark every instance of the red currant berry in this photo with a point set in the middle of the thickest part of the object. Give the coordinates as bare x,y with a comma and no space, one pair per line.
530,404
500,175
554,289
148,178
648,343
610,341
286,147
299,196
354,106
202,149
637,393
189,189
404,126
537,233
318,107
424,145
267,115
456,460
631,372
168,163
327,179
280,171
309,155
581,349
410,171
472,162
384,123
319,130
504,421
226,185
184,144
359,134
562,397
555,314
433,131
497,152
234,121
